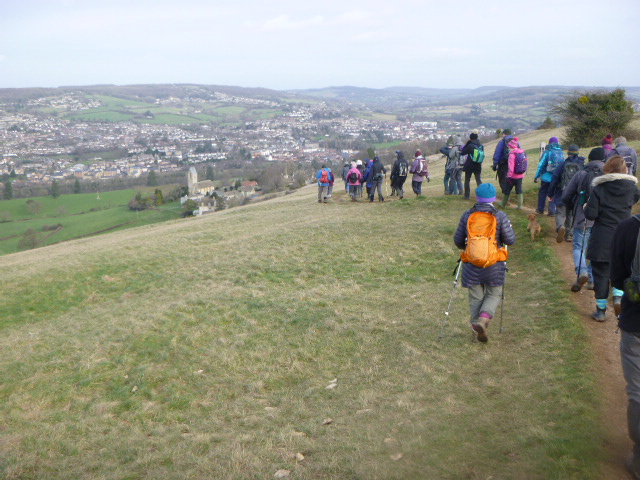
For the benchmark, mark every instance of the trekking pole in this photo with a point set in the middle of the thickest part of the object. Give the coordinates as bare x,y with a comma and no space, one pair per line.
584,232
506,269
455,284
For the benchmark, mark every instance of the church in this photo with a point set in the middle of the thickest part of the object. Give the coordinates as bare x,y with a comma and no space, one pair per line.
198,188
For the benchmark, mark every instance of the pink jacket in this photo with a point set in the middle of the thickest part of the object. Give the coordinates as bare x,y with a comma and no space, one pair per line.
512,163
354,169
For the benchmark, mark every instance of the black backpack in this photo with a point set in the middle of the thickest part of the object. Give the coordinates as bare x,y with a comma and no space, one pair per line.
403,169
570,169
585,187
353,177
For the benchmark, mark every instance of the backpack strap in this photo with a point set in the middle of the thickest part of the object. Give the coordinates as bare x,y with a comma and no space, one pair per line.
635,265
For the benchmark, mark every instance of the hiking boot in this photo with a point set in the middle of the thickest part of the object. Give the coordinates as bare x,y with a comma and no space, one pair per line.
481,329
579,283
617,305
560,234
568,237
600,315
538,212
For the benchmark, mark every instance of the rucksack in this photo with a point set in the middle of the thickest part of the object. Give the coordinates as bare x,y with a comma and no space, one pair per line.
324,177
521,164
403,169
353,177
424,168
632,284
505,153
554,159
462,159
585,186
478,154
482,246
627,158
570,169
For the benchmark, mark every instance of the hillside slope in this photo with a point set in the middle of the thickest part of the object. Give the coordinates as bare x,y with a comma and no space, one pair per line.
288,335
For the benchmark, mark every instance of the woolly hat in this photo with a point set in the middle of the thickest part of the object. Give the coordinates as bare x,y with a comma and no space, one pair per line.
473,136
359,162
608,139
418,154
554,140
457,140
513,143
596,154
486,193
506,131
573,149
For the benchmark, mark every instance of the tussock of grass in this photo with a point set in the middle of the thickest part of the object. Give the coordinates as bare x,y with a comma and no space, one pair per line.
203,348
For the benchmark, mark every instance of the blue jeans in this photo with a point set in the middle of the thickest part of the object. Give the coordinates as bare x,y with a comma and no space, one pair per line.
542,198
580,242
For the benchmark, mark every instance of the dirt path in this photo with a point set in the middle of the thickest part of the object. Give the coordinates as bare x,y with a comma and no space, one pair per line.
616,444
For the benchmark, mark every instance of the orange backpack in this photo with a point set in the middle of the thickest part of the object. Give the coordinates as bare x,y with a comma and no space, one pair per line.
482,247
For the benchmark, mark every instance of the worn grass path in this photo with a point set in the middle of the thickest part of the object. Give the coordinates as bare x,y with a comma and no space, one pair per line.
208,348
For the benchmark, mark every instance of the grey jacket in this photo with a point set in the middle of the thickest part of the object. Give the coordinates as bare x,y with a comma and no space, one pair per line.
495,274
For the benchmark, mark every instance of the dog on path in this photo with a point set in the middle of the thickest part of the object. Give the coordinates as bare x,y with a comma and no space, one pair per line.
534,226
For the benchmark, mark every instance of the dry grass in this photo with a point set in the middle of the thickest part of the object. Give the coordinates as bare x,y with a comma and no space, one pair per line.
206,348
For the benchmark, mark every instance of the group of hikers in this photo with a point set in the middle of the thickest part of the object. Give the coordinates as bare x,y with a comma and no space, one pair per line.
591,200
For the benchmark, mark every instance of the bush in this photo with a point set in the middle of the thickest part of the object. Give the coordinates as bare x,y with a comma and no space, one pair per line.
590,115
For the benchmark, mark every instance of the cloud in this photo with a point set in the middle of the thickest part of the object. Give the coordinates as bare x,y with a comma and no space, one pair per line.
284,23
2,58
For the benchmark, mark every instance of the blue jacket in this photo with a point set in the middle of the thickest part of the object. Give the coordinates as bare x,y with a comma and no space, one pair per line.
502,144
495,274
549,150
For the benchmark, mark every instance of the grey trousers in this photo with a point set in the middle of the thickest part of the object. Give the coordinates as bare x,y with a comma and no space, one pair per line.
323,191
483,298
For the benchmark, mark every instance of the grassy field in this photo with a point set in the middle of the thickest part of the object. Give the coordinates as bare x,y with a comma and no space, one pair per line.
79,216
289,335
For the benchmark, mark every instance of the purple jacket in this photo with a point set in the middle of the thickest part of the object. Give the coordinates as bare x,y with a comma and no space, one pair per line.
415,169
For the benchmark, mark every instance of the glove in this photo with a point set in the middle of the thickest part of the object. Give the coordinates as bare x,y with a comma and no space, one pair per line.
428,179
535,180
494,167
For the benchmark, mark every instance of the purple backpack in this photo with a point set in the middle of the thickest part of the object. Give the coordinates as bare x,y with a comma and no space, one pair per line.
522,162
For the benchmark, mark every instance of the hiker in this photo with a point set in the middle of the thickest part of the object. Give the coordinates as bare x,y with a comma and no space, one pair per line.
549,160
574,196
453,167
471,166
607,144
367,178
420,170
501,159
561,178
623,258
361,168
484,283
324,179
629,154
612,196
354,177
377,179
399,173
517,164
345,172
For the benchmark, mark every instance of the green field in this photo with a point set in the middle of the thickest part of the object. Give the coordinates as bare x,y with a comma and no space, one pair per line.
290,335
80,215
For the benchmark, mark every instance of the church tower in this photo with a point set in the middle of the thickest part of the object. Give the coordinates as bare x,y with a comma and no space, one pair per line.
192,180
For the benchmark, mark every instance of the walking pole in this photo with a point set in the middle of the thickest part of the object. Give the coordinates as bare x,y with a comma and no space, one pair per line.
455,284
506,269
584,232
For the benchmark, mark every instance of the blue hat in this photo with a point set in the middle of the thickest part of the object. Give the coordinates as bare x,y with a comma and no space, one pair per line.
486,193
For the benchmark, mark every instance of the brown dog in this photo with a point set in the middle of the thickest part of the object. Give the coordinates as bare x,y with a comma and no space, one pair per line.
534,227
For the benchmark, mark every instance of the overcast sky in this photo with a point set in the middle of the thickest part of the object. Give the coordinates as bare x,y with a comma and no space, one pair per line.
287,44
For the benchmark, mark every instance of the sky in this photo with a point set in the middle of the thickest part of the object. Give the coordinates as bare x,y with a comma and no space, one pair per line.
287,44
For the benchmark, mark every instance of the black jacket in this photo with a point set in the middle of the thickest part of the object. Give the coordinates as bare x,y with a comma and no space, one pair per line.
610,202
623,249
470,165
